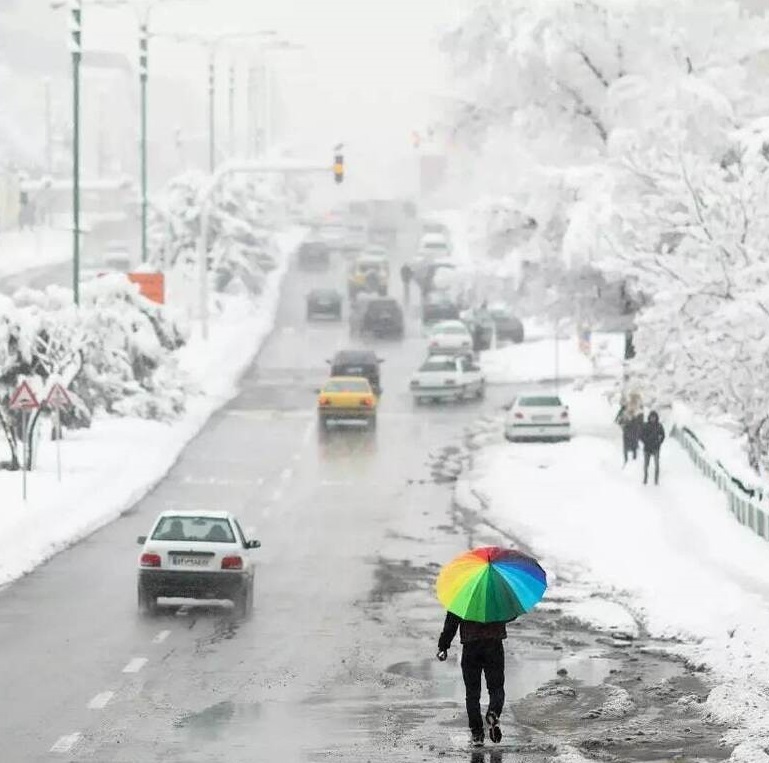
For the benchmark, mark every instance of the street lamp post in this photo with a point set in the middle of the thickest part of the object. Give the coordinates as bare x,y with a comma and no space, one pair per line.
76,19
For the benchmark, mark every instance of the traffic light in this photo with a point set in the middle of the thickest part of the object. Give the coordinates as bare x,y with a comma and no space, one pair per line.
338,165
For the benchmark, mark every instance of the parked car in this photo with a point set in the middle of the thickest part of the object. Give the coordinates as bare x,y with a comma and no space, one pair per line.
380,316
450,337
438,306
507,327
326,303
358,363
443,377
434,246
196,555
313,255
368,273
345,398
537,417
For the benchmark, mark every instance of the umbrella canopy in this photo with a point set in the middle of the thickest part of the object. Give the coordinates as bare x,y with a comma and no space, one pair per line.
491,584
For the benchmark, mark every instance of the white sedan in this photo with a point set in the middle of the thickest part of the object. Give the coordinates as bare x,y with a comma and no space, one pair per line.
434,246
450,337
448,377
538,417
196,555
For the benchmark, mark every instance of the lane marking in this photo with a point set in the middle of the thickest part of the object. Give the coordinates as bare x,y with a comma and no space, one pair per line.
307,436
66,742
296,457
286,474
266,511
135,665
277,494
260,482
100,701
161,637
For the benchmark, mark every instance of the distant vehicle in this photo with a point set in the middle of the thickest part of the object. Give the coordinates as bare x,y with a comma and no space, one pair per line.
196,555
314,255
433,226
344,398
537,417
508,328
326,303
358,363
438,306
450,337
443,377
383,235
380,316
368,273
117,256
434,246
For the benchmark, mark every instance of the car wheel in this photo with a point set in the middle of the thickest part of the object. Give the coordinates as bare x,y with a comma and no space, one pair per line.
372,423
148,604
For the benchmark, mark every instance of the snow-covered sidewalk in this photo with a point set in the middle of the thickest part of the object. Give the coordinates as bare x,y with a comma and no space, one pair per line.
30,249
110,466
672,555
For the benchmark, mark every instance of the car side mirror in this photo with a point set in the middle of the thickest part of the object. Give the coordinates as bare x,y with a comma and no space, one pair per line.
141,540
253,544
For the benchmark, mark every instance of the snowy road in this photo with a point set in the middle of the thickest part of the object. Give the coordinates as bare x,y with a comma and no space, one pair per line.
337,661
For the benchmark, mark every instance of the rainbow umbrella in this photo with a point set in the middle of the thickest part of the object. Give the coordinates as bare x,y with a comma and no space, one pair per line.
491,584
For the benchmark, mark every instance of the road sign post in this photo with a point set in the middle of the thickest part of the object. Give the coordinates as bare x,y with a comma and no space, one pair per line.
57,399
23,399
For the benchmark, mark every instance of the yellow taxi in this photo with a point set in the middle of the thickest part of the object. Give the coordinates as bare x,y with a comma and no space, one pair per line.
347,398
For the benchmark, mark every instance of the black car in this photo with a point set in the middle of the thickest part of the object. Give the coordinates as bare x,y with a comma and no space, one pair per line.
326,303
358,363
438,307
381,316
508,327
313,255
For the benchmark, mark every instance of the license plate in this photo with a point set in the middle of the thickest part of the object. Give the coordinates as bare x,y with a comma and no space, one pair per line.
541,418
189,561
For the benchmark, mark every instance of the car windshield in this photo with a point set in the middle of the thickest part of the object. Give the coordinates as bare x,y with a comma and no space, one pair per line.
383,309
194,529
539,402
438,364
347,385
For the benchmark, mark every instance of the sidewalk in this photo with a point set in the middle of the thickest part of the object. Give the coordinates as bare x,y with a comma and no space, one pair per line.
671,554
26,250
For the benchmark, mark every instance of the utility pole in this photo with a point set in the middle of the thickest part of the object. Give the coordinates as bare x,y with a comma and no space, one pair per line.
143,74
211,109
76,19
232,110
48,128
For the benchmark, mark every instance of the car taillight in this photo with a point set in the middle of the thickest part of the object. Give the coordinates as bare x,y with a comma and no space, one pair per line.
232,563
565,415
433,343
367,402
518,415
324,401
150,560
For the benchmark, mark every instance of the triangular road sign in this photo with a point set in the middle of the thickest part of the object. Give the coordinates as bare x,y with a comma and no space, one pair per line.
58,397
23,398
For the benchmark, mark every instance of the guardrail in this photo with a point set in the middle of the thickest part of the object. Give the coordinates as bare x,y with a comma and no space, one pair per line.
742,501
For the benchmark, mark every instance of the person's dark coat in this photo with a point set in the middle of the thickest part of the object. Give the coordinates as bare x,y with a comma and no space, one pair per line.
406,274
469,631
653,434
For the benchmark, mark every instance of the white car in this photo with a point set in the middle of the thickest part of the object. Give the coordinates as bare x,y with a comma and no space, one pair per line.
538,417
449,337
434,246
196,555
452,377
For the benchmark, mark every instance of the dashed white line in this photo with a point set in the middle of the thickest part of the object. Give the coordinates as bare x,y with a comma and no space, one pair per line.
308,434
161,637
135,665
286,474
100,701
266,511
296,457
277,494
66,742
260,482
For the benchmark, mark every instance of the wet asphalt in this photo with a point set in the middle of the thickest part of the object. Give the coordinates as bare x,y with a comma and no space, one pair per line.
337,662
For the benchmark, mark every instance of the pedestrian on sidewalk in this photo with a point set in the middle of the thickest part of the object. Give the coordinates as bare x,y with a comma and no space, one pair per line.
482,653
653,435
406,275
630,418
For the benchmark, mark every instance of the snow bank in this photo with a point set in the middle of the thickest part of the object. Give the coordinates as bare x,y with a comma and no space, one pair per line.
26,250
672,554
536,360
110,466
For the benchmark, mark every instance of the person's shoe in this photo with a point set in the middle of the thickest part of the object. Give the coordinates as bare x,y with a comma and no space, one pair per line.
495,733
476,739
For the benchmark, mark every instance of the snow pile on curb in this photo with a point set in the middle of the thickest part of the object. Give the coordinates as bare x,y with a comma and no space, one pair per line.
672,553
110,466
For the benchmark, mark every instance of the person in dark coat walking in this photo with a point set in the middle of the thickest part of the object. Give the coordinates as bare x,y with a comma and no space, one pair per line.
652,436
631,419
406,275
483,653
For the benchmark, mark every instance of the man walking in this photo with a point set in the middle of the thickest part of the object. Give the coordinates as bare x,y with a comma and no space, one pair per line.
482,653
652,436
631,420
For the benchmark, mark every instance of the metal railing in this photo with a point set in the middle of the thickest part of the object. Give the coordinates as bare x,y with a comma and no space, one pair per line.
746,505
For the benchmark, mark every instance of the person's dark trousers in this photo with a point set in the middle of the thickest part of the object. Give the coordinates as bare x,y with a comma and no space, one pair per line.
648,456
487,657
